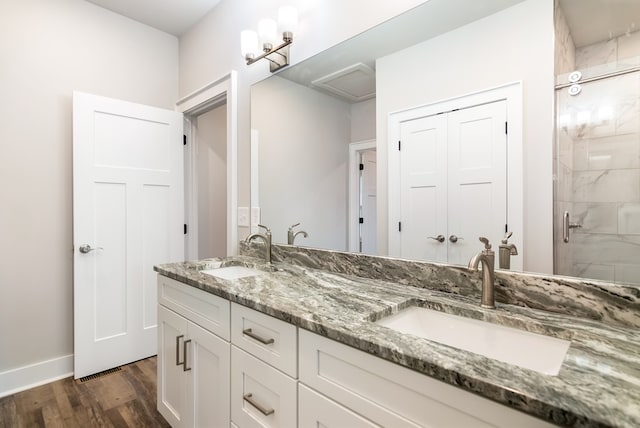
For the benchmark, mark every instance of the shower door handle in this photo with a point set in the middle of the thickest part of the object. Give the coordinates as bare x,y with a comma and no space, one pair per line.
566,226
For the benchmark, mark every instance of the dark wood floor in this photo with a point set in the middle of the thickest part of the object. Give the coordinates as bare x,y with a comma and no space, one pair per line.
126,398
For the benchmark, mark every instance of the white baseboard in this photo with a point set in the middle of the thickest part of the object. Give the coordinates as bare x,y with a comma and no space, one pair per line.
22,378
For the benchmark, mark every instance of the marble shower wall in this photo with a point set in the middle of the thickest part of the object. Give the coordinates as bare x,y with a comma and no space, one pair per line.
598,178
565,50
608,53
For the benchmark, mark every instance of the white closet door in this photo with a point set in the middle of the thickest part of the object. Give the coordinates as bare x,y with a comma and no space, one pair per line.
477,171
423,188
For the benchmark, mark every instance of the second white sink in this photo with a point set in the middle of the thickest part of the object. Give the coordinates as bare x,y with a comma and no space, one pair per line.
232,272
533,351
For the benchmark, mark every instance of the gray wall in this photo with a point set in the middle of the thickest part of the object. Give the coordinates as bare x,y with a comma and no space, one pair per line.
49,49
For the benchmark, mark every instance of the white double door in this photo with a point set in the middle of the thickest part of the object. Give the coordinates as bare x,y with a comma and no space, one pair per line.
453,183
128,214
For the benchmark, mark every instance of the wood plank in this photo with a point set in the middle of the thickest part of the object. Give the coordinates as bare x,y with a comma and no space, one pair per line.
126,398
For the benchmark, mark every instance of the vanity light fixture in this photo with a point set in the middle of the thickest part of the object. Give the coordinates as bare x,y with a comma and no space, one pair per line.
267,36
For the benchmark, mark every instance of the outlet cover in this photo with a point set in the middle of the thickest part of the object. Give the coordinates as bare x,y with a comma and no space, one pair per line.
255,216
243,216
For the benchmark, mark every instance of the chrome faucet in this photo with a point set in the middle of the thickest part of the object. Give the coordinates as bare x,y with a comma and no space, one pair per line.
291,236
266,237
505,251
487,258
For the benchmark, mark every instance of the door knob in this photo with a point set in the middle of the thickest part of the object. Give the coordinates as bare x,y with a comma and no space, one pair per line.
439,238
86,248
454,238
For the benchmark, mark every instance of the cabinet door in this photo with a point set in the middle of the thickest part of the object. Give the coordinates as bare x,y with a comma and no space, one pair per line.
172,382
261,396
315,410
209,379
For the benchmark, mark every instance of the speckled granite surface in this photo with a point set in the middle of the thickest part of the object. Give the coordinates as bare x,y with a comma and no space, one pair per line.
610,303
598,384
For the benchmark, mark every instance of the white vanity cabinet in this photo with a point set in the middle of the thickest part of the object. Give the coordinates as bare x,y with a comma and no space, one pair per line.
221,364
264,367
193,362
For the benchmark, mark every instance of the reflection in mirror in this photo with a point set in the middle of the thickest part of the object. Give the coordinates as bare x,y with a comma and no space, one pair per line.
306,162
597,198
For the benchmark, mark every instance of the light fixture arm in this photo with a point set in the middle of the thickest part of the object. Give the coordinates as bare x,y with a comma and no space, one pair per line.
282,50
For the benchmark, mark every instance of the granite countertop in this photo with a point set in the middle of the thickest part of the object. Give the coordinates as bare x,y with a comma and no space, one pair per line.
598,384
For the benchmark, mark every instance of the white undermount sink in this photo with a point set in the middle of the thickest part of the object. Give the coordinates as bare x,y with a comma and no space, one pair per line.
232,272
533,351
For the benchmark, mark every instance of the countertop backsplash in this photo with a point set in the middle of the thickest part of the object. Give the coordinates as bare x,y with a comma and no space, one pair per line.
613,304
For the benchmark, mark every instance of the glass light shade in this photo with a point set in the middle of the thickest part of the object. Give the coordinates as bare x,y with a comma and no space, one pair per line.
288,19
249,43
268,31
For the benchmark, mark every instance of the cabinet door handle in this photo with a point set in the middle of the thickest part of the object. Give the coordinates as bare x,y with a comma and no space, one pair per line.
258,338
262,409
184,353
178,363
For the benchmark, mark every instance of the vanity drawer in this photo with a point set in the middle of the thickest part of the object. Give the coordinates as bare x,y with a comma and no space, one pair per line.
391,395
261,396
267,338
316,410
205,309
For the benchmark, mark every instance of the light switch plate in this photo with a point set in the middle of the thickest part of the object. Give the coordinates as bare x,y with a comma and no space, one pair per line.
243,216
255,216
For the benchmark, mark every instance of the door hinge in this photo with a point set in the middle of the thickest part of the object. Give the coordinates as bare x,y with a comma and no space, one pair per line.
399,226
184,140
361,167
361,220
506,127
185,229
399,145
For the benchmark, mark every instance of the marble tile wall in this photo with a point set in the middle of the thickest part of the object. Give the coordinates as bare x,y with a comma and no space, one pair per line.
608,51
598,179
564,47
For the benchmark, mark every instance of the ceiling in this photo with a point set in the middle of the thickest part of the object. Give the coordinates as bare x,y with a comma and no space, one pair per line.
171,16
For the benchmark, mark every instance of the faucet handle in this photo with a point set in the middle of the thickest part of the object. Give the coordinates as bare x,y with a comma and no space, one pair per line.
266,229
506,237
485,241
294,226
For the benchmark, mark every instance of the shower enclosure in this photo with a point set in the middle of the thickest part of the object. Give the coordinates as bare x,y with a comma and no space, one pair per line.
597,182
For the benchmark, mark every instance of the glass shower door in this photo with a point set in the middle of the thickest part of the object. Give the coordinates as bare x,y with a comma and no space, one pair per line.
597,183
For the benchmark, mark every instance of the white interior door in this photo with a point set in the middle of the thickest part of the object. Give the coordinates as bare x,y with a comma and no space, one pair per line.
423,188
368,202
128,214
477,178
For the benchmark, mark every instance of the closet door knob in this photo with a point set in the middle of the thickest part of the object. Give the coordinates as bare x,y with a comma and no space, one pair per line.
439,238
454,238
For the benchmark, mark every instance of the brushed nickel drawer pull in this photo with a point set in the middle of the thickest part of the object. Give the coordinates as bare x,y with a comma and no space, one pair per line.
178,363
256,337
266,412
184,352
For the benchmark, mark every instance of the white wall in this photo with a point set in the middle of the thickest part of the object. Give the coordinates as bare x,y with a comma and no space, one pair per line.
310,161
50,48
513,45
363,120
211,49
211,142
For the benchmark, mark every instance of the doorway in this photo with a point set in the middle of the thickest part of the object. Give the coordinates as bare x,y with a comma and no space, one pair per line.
211,111
362,197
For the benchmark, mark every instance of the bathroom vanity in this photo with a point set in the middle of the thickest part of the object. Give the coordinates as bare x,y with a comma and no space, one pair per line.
244,343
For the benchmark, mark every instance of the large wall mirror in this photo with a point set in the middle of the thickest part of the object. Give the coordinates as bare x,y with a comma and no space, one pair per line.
324,132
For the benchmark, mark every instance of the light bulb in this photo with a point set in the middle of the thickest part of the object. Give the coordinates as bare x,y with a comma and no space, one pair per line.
268,31
288,19
249,43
